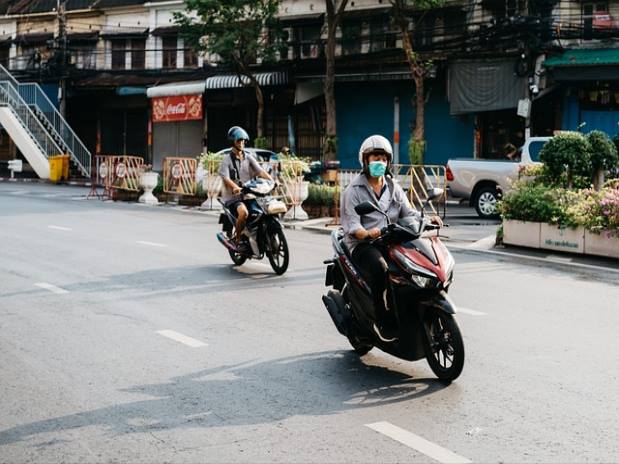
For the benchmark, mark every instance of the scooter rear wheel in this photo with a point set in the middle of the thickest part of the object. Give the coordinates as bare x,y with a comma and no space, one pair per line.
443,345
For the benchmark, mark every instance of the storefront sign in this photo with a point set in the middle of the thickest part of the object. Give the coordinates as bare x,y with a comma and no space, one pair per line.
103,170
177,108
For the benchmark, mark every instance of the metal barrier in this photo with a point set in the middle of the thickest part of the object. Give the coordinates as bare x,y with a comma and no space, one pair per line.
126,172
179,175
414,179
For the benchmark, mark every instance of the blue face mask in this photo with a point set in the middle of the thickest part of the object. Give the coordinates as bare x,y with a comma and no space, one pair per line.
377,168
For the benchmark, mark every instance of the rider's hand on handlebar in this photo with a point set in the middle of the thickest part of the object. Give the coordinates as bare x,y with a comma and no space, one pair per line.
236,190
436,220
374,232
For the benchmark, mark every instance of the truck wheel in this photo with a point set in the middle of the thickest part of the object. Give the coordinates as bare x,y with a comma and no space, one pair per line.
486,202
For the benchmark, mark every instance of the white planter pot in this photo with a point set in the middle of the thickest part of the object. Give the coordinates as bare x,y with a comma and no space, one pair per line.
521,233
298,191
212,185
148,181
562,239
601,244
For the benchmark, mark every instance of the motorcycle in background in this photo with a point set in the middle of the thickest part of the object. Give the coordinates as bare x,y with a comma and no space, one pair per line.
263,233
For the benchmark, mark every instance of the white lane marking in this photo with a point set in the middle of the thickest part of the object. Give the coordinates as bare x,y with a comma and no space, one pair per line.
59,228
422,445
50,195
19,192
470,312
179,337
161,245
51,288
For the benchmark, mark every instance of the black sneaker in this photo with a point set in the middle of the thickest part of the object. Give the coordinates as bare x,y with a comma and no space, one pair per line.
244,249
386,333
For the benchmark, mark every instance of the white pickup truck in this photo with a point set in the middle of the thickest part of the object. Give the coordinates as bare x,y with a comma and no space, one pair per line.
482,181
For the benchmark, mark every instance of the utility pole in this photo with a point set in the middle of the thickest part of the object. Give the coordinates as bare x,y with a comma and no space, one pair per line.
61,49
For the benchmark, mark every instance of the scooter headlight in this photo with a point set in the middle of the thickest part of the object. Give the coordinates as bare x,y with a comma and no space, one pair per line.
419,275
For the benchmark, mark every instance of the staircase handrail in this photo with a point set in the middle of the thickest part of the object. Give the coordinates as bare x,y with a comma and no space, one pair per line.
32,93
27,118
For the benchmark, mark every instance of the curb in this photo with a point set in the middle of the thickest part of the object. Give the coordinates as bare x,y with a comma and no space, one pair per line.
536,259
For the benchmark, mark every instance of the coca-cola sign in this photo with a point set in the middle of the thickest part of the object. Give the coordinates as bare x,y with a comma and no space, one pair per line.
177,108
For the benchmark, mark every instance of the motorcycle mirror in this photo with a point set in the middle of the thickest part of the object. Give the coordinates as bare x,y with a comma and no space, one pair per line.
434,193
365,208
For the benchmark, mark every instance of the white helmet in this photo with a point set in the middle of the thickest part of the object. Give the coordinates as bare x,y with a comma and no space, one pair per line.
375,144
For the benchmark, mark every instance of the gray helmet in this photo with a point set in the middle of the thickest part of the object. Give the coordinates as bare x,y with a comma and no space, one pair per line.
375,144
236,133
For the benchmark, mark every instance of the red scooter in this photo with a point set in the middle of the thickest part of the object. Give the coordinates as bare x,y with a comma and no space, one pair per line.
420,272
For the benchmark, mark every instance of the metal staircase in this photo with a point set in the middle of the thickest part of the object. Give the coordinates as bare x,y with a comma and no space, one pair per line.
48,130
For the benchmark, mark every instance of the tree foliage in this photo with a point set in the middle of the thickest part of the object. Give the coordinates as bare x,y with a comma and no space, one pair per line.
603,151
240,32
567,156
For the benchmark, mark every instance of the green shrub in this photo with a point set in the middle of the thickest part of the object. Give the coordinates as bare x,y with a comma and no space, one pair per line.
603,151
567,159
260,142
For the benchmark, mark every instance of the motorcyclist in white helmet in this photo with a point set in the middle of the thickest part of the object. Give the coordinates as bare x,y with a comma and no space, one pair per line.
374,184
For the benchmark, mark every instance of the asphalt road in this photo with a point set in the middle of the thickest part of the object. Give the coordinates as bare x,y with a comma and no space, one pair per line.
127,336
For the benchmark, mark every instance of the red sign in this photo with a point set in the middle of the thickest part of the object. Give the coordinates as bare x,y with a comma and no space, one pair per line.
177,108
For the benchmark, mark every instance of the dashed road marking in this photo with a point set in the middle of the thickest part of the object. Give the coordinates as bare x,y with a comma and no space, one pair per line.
470,312
142,242
18,192
59,228
422,445
179,337
51,288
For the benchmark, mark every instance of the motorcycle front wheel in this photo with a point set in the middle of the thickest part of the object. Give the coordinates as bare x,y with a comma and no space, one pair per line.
443,345
277,251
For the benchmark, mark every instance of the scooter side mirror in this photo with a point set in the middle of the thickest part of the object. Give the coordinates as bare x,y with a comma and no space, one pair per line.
434,193
365,208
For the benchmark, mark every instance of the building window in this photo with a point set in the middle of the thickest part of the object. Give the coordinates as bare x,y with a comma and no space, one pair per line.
351,38
309,41
138,53
85,57
118,54
169,52
595,16
4,56
191,58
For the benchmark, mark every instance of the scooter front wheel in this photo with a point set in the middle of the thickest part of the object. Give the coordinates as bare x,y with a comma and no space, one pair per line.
443,345
277,251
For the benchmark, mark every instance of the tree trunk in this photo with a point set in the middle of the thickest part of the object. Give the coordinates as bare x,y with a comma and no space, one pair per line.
598,179
333,18
420,103
260,111
329,89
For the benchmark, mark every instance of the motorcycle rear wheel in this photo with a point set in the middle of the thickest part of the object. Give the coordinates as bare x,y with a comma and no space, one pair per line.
443,345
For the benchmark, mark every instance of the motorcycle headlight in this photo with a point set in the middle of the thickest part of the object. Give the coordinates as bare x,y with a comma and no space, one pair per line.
419,275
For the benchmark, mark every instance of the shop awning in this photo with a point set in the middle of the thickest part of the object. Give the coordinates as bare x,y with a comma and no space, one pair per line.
585,57
484,85
125,33
228,81
585,65
300,19
168,30
34,38
177,88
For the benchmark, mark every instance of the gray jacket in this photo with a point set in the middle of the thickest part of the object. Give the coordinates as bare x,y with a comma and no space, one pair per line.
393,202
246,170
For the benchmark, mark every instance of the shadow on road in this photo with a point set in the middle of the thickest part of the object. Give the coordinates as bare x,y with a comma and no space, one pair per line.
251,393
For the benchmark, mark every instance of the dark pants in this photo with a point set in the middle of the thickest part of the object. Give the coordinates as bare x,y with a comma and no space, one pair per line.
374,270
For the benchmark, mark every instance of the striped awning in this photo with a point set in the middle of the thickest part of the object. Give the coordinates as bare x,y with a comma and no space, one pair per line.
228,81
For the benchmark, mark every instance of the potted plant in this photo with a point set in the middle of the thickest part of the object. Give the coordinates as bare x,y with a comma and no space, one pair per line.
212,182
295,188
148,182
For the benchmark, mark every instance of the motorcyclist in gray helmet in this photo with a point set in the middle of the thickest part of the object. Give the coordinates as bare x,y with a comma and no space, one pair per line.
235,170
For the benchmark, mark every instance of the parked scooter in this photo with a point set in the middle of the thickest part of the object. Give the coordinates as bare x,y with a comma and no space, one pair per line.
263,232
420,272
